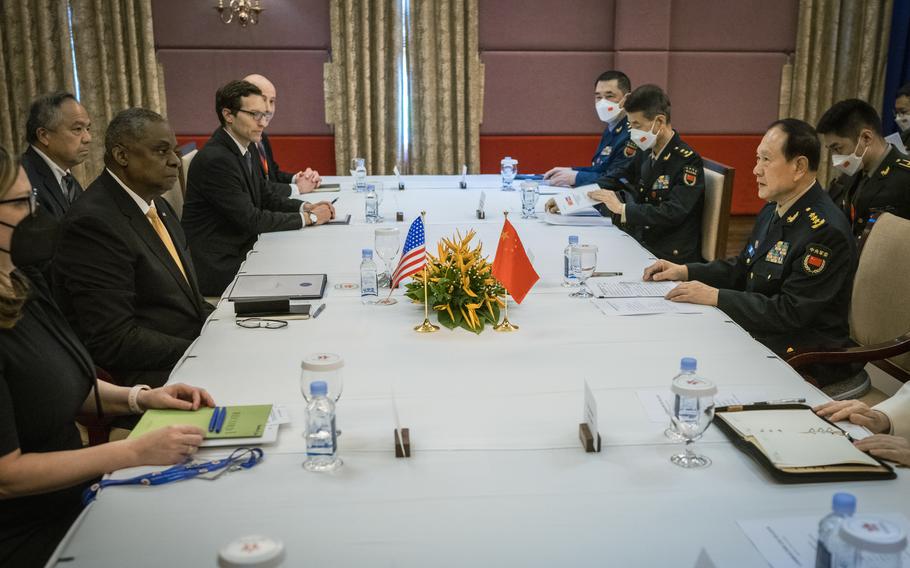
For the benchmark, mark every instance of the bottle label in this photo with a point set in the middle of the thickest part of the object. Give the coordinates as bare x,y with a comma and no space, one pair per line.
368,283
686,408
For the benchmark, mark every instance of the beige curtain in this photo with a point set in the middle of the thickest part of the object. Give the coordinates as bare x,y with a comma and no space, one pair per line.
841,52
446,81
361,83
115,58
35,58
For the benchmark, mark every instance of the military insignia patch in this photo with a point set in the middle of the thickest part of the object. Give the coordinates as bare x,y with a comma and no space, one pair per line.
903,162
816,259
815,220
662,182
685,153
777,254
750,250
606,151
885,171
792,218
630,149
690,175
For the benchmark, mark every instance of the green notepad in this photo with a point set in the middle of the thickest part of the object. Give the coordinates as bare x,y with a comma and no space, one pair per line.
247,421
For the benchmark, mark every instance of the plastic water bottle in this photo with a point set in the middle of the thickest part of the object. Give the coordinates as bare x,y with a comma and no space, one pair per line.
360,175
685,408
369,285
507,169
371,205
843,505
571,264
321,438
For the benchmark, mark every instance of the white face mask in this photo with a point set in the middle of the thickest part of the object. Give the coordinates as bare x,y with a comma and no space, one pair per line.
644,139
607,110
903,122
850,163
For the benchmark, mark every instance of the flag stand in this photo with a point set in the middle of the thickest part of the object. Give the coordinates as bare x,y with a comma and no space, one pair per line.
505,325
426,326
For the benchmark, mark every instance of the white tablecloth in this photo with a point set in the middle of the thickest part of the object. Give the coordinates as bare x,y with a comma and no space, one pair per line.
497,476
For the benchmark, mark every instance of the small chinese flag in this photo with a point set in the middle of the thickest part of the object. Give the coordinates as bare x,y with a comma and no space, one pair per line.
511,265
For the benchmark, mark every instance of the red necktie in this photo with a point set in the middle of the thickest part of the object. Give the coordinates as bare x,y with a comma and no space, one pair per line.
262,160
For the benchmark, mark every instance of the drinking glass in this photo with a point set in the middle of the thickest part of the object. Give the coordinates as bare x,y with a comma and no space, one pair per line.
529,196
387,243
586,264
326,367
691,419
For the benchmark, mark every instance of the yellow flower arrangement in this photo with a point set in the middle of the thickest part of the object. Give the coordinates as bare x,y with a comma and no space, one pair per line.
462,289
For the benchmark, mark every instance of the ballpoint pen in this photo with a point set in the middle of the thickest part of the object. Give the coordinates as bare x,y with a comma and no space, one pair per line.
334,200
604,274
780,401
213,420
318,310
221,420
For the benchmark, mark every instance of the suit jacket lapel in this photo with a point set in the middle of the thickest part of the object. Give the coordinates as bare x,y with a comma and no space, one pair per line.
143,228
50,181
229,143
172,224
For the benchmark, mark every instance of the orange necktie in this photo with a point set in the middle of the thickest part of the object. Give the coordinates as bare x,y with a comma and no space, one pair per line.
165,237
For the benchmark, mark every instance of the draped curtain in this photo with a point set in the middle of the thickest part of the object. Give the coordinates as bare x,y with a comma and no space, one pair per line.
35,58
118,69
446,82
841,52
362,94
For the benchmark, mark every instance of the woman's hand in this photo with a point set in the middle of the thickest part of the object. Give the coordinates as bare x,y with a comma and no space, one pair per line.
178,396
166,446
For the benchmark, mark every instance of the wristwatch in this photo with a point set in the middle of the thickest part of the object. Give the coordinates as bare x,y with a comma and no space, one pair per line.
313,218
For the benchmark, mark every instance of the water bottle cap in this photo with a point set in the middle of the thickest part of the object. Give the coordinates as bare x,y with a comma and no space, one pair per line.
322,362
253,550
688,364
844,503
693,386
318,388
508,161
871,534
573,239
367,253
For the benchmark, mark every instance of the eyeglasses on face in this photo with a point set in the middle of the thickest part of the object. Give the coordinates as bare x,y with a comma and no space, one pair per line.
257,115
31,198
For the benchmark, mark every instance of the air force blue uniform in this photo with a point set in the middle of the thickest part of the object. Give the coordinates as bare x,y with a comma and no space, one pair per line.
609,156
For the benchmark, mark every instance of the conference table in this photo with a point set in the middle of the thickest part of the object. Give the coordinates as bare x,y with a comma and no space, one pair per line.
497,475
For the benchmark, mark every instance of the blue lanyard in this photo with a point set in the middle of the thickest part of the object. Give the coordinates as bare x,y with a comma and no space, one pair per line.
241,457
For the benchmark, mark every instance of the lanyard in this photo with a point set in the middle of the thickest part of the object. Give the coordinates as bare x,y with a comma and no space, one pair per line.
241,457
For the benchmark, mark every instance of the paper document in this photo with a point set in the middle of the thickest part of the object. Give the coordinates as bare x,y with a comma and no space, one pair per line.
612,288
790,542
658,403
895,140
576,200
642,306
577,220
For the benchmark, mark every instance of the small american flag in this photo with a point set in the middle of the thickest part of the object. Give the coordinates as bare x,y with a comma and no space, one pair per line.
413,257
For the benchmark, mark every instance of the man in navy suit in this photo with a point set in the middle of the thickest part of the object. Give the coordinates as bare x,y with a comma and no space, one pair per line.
58,131
122,273
301,182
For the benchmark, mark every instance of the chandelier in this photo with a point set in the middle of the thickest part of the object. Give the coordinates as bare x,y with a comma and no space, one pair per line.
245,11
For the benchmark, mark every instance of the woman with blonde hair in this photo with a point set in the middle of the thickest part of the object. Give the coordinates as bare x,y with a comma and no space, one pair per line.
47,379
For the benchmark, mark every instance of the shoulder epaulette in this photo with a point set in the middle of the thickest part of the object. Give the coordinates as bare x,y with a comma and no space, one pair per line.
903,162
814,219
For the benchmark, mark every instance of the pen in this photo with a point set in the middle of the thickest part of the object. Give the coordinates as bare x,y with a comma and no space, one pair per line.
780,401
602,274
318,310
213,419
221,420
334,200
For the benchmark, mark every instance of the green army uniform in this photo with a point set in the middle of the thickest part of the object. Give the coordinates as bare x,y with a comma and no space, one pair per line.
887,189
664,199
790,287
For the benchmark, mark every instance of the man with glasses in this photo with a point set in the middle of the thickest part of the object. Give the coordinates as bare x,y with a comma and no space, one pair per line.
301,182
58,131
228,202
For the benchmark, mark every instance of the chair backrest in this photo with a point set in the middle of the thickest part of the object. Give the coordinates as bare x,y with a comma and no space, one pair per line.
880,310
175,196
716,216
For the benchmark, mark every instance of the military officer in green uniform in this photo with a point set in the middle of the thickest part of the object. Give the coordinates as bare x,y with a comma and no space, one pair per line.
877,174
657,197
790,286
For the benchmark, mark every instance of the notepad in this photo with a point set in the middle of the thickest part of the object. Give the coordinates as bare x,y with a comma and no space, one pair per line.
245,421
610,288
576,201
796,438
327,188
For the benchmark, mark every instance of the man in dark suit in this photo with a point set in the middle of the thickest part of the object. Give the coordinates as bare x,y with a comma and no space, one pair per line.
301,182
58,133
228,203
790,286
122,273
875,175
